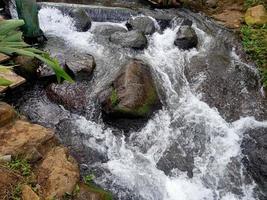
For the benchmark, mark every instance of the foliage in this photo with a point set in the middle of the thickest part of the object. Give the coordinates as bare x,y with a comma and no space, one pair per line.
114,97
251,3
16,194
11,43
88,179
254,40
20,165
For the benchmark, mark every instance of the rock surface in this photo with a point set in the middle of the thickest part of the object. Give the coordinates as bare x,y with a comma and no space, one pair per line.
256,15
144,24
21,137
172,158
131,39
27,66
107,29
7,114
28,193
57,174
90,193
70,95
82,20
133,92
186,38
80,66
255,148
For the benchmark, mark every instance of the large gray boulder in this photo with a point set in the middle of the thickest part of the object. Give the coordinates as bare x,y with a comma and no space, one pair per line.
132,93
186,38
142,23
82,21
131,39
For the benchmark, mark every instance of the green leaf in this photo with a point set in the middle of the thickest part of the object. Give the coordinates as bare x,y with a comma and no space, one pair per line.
10,25
5,82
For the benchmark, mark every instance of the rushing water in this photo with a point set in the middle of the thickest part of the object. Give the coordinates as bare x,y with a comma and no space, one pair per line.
186,122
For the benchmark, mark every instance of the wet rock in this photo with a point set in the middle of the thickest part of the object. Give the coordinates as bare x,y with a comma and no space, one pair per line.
256,15
80,66
70,95
107,29
133,92
221,80
57,174
28,194
164,3
72,137
186,38
174,158
7,114
21,137
82,20
131,39
254,146
27,66
144,24
91,193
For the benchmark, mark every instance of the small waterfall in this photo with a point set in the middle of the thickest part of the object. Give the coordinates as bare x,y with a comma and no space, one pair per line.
185,122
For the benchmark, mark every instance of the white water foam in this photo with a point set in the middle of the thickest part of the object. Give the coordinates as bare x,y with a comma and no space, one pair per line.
132,162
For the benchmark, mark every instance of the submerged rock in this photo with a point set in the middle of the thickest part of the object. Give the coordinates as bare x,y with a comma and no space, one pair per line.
70,95
131,39
82,20
144,24
58,174
133,92
173,158
254,147
186,38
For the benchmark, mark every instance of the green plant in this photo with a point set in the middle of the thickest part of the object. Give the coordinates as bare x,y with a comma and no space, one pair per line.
16,194
250,3
88,179
20,165
11,43
254,40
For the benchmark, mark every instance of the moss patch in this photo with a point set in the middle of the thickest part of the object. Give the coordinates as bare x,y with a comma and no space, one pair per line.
114,97
254,40
142,110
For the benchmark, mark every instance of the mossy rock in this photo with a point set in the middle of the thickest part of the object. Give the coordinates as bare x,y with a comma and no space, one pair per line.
133,93
256,15
89,191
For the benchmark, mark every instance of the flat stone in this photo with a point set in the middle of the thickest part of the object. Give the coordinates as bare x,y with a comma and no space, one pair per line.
28,193
58,174
256,15
8,74
7,114
21,136
230,18
3,58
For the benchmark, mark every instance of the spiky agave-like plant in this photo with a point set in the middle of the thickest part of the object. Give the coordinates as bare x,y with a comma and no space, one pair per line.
11,43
